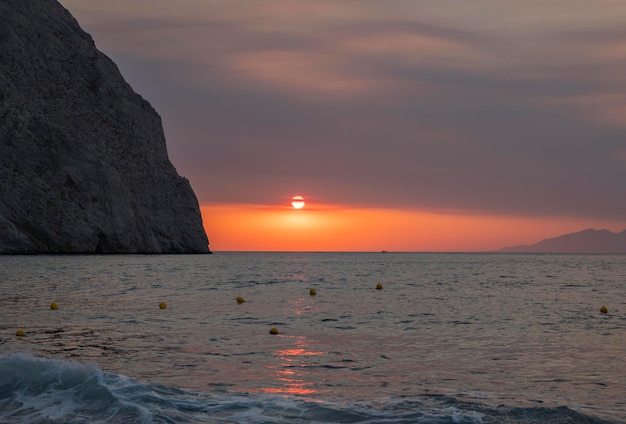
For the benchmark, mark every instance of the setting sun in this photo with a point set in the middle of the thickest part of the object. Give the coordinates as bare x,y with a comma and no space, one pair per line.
297,202
240,227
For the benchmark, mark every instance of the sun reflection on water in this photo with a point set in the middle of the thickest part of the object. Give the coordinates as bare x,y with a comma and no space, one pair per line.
291,367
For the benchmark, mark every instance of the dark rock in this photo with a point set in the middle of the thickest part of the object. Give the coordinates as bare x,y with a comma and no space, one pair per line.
83,159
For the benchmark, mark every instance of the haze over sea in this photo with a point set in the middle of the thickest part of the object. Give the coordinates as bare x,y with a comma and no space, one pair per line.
450,338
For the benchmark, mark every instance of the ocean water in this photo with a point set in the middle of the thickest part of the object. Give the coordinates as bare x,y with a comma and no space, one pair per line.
450,338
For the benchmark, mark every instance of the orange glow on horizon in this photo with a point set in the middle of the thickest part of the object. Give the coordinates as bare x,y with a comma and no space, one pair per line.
240,227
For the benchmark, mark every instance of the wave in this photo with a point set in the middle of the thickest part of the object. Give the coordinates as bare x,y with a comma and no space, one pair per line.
36,390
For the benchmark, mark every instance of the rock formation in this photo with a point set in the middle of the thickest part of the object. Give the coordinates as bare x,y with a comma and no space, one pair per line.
586,241
83,160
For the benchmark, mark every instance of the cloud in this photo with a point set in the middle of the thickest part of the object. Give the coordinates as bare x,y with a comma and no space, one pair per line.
483,106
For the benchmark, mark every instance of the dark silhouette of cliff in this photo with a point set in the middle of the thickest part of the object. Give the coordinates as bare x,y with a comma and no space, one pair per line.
83,160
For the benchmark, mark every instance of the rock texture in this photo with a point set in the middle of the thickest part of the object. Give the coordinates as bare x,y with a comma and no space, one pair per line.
83,160
586,241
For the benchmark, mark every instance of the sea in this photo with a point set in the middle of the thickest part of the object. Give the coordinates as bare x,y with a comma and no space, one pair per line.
386,338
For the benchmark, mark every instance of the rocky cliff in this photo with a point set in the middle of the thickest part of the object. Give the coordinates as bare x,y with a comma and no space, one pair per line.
83,160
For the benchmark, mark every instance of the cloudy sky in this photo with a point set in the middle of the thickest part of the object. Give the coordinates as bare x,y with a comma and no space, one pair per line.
453,114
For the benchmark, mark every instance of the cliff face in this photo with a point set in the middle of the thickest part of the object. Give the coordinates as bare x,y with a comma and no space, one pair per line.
83,160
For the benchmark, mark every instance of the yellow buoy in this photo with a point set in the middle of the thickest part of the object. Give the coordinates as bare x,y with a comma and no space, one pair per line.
603,309
273,330
20,333
54,306
162,305
240,299
312,292
379,286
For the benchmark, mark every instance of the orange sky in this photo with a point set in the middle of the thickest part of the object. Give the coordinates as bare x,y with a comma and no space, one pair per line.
463,126
318,227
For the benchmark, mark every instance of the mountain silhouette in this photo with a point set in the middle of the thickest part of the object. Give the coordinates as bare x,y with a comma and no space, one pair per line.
586,241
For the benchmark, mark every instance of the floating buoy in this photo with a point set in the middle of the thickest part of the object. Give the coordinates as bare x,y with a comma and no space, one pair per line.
273,330
379,286
162,305
240,299
603,309
312,292
20,333
54,306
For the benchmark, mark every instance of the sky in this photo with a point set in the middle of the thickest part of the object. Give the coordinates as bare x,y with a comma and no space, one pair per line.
406,125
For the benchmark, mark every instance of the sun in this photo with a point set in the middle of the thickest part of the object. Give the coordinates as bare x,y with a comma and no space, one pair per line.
297,202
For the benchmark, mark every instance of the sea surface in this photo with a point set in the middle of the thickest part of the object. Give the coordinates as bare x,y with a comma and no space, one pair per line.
450,338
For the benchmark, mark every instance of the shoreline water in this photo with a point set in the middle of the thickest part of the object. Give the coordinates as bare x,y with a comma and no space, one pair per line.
465,331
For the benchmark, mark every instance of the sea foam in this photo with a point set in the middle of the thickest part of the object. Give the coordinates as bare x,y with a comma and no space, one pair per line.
37,390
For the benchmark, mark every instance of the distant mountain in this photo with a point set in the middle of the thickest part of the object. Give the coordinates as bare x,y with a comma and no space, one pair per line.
586,241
